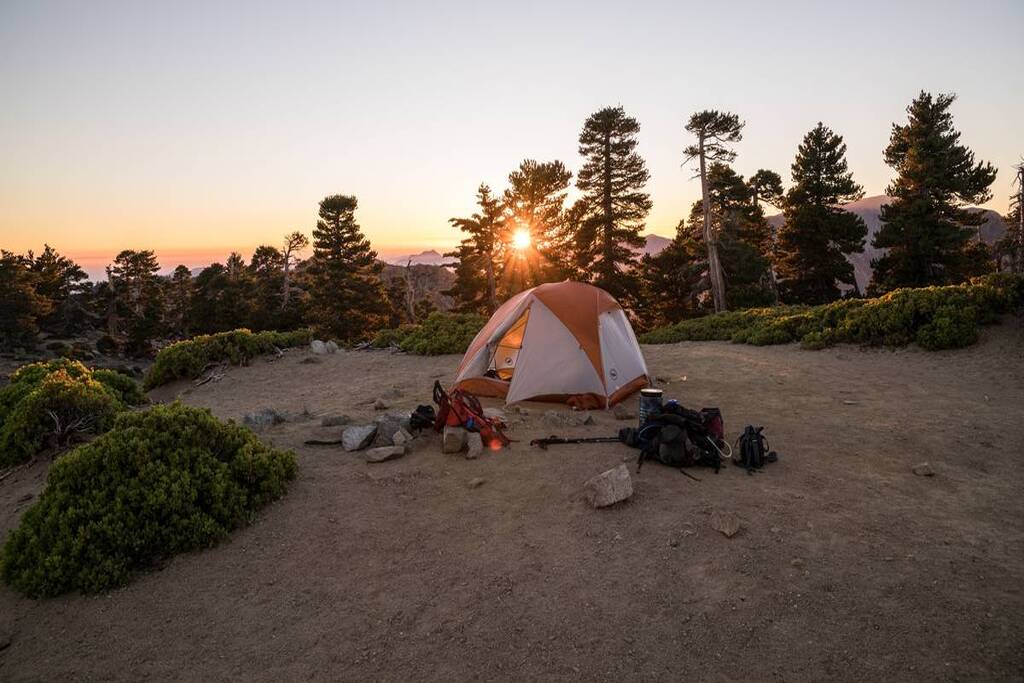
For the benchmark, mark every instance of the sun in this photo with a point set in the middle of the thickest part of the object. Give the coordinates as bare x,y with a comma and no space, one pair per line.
521,239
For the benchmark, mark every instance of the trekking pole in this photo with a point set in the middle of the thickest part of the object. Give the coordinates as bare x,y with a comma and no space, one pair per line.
558,440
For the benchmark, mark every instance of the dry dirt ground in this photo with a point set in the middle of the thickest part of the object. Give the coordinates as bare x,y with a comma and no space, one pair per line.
848,565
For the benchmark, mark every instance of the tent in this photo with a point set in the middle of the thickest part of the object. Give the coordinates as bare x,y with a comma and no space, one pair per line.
561,341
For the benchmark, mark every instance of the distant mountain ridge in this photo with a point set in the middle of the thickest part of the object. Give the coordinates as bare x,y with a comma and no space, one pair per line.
430,257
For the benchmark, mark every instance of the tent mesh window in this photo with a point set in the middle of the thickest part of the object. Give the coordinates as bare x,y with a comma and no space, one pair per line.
503,361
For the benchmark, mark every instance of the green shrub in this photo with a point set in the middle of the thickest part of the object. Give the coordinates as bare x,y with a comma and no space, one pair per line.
50,404
163,481
187,359
934,317
439,334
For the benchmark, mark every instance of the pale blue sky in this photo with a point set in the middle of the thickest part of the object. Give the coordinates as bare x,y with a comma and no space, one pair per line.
199,127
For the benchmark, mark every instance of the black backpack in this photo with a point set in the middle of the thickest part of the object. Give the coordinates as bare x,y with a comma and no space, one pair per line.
752,450
677,437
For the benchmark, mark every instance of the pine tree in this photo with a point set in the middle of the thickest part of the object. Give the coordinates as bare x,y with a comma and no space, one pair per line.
178,293
927,227
1009,250
347,299
535,202
817,233
715,131
673,280
614,206
64,284
20,306
137,298
743,238
480,254
294,243
266,271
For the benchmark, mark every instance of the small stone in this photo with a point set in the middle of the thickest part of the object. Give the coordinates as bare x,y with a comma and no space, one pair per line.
609,487
474,446
402,437
476,482
380,404
358,437
388,425
554,418
453,439
317,347
726,522
797,562
331,347
621,412
588,420
923,469
384,453
267,417
334,420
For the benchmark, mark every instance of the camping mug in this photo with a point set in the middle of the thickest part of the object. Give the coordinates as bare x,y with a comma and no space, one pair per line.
650,404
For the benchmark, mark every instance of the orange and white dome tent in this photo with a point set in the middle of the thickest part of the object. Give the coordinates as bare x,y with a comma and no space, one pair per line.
561,341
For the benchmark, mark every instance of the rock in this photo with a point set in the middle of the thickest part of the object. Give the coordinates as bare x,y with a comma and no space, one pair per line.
495,414
358,437
476,482
317,347
555,418
609,487
267,417
796,562
621,412
402,438
474,446
588,420
453,439
309,360
331,347
388,425
380,404
384,453
726,522
334,420
923,469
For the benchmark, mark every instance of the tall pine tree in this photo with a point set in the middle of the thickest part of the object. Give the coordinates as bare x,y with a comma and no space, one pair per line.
927,228
137,299
817,233
347,299
535,202
480,254
614,206
715,132
1009,250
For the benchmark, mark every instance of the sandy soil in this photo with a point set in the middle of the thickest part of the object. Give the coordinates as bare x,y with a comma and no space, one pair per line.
848,565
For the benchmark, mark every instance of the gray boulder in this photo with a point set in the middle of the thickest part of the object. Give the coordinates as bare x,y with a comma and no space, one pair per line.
453,439
358,437
474,445
384,453
259,419
331,347
317,347
388,425
609,487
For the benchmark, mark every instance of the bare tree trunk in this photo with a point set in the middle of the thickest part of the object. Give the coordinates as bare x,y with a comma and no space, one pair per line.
714,267
286,287
492,300
608,264
410,293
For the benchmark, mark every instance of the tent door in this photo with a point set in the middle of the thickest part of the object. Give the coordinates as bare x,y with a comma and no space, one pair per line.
503,360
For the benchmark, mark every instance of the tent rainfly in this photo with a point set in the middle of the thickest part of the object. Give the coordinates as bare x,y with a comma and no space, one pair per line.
561,341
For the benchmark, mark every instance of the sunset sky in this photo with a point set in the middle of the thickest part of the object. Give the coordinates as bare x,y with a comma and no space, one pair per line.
197,128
